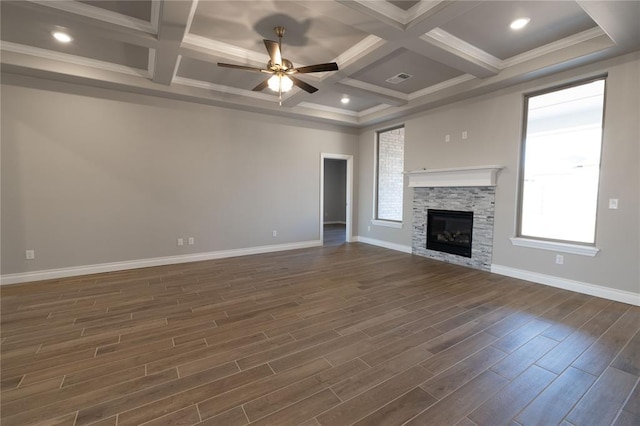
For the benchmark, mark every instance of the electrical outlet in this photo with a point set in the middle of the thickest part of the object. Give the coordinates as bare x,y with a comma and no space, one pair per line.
447,138
464,135
559,259
180,241
613,203
369,228
191,241
274,233
30,254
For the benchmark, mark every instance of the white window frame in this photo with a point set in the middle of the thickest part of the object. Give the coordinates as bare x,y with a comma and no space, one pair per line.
563,246
375,220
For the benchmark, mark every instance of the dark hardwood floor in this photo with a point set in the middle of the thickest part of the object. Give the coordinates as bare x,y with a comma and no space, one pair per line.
337,335
334,234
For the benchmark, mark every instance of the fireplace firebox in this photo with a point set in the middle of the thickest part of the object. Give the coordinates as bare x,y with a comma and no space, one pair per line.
450,231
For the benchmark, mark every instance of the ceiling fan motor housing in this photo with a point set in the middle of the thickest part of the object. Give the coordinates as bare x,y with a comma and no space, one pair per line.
286,64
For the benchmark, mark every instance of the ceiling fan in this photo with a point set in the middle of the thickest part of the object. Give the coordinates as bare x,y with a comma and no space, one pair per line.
282,70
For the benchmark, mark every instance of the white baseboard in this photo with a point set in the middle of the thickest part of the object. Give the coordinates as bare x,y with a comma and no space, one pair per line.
145,263
385,244
577,286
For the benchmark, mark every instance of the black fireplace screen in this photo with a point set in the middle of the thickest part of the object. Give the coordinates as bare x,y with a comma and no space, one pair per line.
450,231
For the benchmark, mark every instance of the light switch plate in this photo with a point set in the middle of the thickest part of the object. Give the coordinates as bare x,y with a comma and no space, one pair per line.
613,203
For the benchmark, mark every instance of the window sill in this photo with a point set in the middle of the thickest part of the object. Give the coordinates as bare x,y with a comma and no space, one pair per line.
555,246
386,223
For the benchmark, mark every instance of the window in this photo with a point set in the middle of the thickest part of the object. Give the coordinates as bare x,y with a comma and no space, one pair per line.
389,174
561,163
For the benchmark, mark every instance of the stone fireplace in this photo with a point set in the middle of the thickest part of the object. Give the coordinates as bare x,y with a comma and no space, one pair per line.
453,211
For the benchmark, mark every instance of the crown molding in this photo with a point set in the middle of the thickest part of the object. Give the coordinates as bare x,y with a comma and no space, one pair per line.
441,86
100,14
456,46
554,47
327,108
373,110
419,9
386,9
373,88
151,66
192,14
72,59
222,49
155,15
358,50
223,89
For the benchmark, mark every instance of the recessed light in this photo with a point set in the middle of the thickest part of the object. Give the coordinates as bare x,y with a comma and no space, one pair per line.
62,37
345,100
519,23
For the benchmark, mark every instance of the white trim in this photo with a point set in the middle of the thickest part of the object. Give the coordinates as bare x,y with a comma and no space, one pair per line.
151,67
326,108
387,223
386,9
374,109
459,176
349,194
555,246
419,9
145,263
223,49
374,88
459,46
100,14
580,287
155,15
71,59
565,43
192,14
385,244
441,86
223,89
356,51
175,68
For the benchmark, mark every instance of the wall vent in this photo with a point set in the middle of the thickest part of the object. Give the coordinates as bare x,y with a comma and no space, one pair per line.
399,78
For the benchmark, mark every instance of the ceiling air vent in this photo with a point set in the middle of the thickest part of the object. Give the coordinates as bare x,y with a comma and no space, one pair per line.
399,78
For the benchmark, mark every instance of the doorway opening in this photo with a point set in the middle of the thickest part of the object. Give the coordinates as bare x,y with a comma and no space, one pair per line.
336,177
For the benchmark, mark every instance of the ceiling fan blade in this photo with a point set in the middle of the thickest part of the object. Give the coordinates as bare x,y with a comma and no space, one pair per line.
331,66
273,47
242,67
260,87
304,86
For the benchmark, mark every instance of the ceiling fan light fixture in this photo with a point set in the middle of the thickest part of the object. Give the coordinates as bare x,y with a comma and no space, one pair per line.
519,23
280,83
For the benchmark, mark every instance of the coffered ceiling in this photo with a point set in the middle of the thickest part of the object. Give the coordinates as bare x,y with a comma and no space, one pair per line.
449,49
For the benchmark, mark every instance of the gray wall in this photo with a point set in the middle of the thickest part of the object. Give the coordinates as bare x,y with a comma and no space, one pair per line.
335,190
93,176
494,125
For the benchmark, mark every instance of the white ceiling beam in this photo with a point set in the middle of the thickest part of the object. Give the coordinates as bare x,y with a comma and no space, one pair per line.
173,24
437,15
455,53
403,30
618,19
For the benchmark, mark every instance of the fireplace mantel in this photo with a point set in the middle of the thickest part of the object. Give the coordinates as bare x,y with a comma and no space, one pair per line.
460,176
